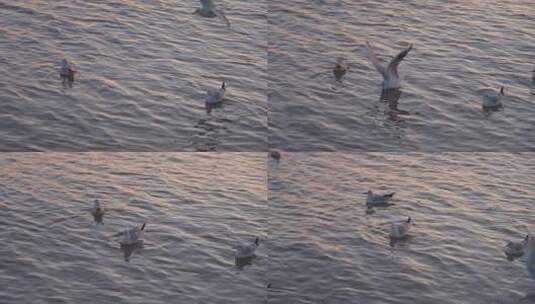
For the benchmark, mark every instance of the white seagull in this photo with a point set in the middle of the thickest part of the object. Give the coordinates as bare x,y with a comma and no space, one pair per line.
67,70
516,249
209,10
131,236
530,259
378,199
492,99
214,97
391,78
246,250
400,229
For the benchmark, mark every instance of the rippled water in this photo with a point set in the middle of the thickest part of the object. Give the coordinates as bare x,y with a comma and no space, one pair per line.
143,70
325,247
196,206
460,48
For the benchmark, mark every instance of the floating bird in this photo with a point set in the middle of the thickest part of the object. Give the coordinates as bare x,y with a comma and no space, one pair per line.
246,250
492,99
214,98
209,10
377,199
275,154
131,236
340,69
67,71
516,249
400,229
97,211
530,259
391,78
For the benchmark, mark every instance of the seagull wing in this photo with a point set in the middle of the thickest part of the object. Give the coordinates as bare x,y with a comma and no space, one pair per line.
393,65
374,60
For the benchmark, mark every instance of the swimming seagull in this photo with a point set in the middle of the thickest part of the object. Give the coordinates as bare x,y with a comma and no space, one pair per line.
340,69
377,199
131,236
492,99
246,250
67,70
391,78
97,211
214,97
400,229
209,10
516,249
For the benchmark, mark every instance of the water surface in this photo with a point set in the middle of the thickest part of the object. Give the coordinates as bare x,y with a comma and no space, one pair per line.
143,70
460,48
326,247
196,206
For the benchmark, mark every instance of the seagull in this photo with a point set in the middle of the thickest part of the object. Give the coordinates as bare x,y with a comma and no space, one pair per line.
131,236
340,69
391,78
377,199
400,229
516,249
97,211
214,97
67,70
492,99
246,250
530,260
208,9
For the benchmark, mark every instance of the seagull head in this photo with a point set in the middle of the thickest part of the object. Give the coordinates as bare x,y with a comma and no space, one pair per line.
409,219
501,91
256,241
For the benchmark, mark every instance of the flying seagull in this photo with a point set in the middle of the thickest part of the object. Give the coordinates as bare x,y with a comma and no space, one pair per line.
391,78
